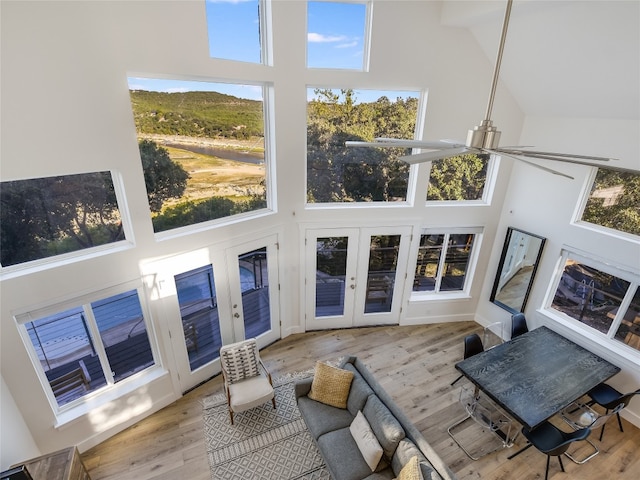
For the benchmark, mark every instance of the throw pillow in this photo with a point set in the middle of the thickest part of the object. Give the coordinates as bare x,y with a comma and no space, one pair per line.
240,362
331,385
411,471
366,440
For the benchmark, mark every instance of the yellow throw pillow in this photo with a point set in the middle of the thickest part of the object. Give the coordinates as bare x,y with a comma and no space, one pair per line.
411,470
331,385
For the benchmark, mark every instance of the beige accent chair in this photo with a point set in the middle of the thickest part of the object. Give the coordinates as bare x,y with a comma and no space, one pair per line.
247,382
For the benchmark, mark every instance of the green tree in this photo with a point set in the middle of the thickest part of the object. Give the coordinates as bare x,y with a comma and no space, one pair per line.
163,177
458,178
615,201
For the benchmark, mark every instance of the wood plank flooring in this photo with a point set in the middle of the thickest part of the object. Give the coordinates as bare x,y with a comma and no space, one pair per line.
414,364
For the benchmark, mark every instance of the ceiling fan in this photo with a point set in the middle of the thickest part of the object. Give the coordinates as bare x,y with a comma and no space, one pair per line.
483,138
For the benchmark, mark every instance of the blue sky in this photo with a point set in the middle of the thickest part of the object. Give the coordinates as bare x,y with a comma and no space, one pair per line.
335,39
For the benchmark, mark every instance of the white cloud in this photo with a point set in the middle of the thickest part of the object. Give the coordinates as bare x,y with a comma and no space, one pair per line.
321,38
348,45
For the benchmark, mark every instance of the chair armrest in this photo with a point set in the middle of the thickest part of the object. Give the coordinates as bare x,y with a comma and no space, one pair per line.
303,387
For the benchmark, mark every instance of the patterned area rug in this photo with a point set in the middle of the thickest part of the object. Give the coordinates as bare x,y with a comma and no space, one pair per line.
264,443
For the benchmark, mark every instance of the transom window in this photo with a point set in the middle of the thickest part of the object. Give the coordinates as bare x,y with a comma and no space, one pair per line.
460,178
336,173
45,217
236,29
86,347
337,35
600,298
202,147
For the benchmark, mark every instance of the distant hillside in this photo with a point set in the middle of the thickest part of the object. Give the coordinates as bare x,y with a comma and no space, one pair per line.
197,114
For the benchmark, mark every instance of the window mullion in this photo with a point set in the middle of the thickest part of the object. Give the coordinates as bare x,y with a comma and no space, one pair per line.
98,345
441,261
622,310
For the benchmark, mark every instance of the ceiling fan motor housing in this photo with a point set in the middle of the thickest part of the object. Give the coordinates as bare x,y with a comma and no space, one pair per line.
484,135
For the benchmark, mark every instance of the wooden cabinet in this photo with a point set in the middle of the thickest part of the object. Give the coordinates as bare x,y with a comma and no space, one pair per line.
62,465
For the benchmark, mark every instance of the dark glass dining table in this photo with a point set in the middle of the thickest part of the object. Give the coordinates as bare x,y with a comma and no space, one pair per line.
537,374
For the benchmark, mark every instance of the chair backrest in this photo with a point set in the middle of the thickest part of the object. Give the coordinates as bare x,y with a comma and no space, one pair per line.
569,438
518,325
601,419
240,360
472,345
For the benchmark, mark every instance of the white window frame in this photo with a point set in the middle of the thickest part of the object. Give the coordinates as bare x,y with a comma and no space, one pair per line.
83,405
436,294
607,340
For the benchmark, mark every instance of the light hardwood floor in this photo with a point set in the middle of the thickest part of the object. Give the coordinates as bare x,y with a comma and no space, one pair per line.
414,364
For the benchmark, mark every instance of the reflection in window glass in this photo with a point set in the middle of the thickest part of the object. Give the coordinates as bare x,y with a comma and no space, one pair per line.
43,217
70,355
336,173
597,299
234,30
336,35
458,178
614,201
383,262
443,262
331,270
202,149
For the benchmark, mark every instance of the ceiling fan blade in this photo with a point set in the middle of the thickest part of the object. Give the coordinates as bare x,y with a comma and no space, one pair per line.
356,143
566,158
437,155
520,159
555,156
426,144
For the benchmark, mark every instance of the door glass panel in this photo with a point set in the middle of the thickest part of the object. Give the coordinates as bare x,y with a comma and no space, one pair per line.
254,283
199,312
331,269
427,264
383,260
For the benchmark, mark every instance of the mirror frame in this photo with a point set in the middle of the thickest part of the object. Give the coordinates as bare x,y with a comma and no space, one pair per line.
501,266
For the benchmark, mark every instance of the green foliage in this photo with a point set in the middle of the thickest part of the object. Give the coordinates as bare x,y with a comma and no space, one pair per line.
48,216
163,177
458,178
615,201
338,174
197,114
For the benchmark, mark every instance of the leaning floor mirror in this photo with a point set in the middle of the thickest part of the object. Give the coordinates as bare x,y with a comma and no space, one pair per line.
518,263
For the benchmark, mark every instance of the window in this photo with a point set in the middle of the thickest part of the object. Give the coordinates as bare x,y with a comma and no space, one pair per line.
444,261
337,35
235,29
614,201
458,178
44,217
89,346
336,173
600,298
202,147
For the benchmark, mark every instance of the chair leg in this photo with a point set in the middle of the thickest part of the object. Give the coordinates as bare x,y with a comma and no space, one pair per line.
561,465
231,415
273,400
546,473
456,380
519,451
619,421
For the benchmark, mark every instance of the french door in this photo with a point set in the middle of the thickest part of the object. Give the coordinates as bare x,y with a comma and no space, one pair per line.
218,296
354,276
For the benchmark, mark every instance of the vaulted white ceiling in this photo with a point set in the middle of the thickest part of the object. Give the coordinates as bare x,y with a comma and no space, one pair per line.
575,58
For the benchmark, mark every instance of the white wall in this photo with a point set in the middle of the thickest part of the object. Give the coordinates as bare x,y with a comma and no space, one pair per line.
66,109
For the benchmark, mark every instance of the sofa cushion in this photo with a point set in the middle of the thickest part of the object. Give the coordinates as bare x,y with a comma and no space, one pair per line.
388,430
405,451
342,455
360,390
321,418
410,471
331,385
366,440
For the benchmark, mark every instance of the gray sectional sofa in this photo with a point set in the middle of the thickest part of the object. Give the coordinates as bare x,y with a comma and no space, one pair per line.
399,438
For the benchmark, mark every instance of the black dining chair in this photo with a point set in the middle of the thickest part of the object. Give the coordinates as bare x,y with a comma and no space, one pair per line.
551,441
472,346
609,398
518,325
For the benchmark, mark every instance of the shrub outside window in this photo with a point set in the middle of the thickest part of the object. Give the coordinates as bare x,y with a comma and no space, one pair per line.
336,173
87,347
45,217
614,201
460,178
444,262
599,298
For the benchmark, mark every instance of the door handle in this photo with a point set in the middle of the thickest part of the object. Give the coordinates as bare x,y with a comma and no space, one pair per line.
237,315
352,286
